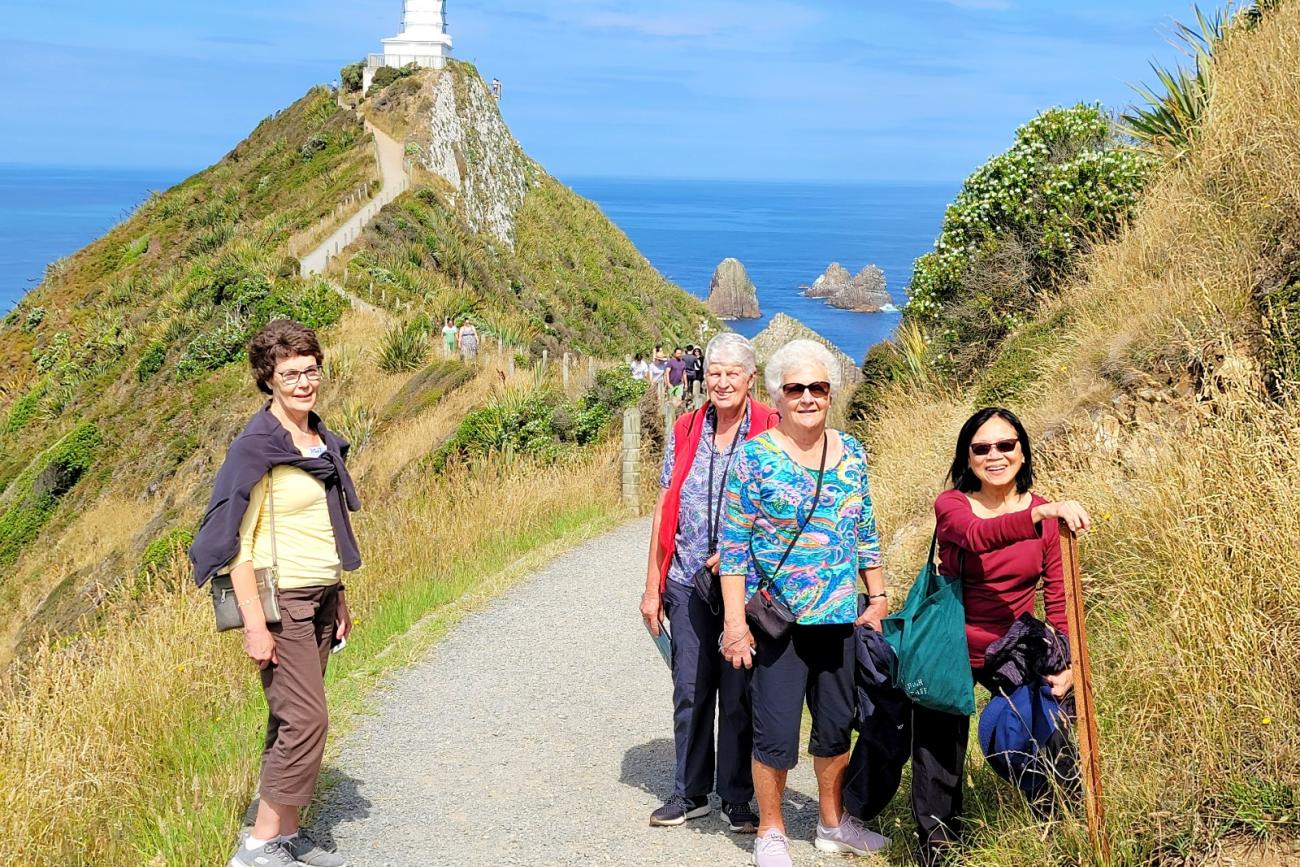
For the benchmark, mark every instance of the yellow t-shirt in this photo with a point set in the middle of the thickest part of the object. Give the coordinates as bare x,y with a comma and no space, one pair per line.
304,536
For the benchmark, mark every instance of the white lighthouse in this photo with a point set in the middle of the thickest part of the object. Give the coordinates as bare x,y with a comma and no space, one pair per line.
423,41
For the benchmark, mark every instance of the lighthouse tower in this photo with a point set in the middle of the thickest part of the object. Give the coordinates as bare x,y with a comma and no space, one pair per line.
423,40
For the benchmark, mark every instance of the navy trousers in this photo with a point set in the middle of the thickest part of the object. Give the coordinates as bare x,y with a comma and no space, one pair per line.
703,682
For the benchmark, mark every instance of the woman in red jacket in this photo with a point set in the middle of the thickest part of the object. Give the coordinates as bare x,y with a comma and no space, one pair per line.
1003,540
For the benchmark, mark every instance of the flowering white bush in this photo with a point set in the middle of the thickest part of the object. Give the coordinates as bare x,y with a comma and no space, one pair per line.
1067,179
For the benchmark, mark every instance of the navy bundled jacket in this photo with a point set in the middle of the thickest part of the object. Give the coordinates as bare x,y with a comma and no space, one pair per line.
884,723
265,443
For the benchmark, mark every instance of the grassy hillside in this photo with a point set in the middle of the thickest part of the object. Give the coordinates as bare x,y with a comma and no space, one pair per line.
121,375
1159,377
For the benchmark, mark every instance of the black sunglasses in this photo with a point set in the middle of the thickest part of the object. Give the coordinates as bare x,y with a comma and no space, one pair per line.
819,390
1004,446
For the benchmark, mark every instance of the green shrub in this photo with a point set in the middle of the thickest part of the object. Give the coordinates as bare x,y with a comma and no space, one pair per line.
316,143
1020,362
386,75
134,250
55,353
35,317
351,76
24,409
215,346
356,423
35,494
162,552
404,347
514,423
883,365
1018,226
151,361
613,390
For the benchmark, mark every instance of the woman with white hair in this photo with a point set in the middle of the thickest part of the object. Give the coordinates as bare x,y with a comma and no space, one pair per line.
681,583
798,533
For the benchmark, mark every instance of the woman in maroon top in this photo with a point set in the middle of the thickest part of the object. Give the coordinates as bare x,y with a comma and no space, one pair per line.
1003,540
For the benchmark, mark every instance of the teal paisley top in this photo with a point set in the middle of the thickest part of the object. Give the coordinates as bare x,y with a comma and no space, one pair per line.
768,495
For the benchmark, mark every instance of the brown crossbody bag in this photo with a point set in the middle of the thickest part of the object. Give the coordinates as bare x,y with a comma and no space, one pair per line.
224,604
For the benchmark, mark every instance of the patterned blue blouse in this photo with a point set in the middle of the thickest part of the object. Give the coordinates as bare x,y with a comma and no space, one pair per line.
769,495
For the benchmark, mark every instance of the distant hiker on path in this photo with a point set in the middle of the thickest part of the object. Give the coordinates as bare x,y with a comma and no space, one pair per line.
1003,541
640,368
281,501
449,333
675,370
800,530
468,341
681,583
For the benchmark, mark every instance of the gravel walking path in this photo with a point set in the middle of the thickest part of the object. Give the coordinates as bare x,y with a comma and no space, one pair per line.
537,733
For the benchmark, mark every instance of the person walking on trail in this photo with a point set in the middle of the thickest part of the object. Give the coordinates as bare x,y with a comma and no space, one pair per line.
449,335
681,584
640,368
675,371
1003,541
468,341
694,372
799,531
280,502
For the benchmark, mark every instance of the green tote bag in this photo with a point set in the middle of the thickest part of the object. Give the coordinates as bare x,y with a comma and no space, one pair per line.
932,663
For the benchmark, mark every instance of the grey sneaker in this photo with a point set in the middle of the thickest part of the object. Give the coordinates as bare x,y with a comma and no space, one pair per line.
273,854
851,836
772,850
305,851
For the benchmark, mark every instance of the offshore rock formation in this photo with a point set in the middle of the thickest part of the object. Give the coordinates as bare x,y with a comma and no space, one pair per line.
732,294
864,292
829,283
782,329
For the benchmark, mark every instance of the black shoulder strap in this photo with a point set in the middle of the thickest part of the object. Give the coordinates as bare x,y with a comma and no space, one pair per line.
768,581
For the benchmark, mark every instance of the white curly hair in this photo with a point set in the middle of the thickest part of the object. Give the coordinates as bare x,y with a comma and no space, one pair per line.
731,348
794,354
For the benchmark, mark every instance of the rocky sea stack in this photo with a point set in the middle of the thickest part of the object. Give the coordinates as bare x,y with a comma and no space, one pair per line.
865,292
732,294
782,329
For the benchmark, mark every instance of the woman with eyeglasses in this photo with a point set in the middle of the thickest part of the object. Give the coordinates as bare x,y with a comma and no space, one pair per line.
702,449
1003,541
281,500
800,527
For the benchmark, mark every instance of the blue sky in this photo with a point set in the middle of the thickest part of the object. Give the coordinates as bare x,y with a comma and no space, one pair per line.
782,89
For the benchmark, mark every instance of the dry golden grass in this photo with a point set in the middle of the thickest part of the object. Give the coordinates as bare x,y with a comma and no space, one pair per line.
139,743
1152,412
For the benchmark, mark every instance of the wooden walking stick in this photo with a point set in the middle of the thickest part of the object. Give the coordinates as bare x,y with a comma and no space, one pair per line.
1085,709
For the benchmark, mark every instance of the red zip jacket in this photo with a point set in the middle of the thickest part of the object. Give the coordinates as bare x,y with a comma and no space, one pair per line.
686,437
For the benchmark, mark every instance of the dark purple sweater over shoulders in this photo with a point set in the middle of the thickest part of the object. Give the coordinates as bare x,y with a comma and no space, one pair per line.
1003,562
265,443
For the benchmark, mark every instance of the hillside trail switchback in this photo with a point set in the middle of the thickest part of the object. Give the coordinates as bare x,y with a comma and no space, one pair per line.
537,732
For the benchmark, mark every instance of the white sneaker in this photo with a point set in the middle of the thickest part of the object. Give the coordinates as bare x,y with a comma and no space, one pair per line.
851,836
772,850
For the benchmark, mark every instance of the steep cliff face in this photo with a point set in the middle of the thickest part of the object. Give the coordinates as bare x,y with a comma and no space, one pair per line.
471,147
732,295
782,329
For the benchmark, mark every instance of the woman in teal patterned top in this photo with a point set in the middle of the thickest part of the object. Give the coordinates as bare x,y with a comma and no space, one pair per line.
769,496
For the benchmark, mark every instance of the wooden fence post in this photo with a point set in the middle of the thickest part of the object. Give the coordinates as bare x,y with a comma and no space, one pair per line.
1085,707
631,457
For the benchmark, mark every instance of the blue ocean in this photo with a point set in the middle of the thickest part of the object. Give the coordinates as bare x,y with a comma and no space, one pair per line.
785,233
47,213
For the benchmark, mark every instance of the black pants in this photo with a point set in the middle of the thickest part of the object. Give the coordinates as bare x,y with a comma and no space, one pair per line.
938,764
703,681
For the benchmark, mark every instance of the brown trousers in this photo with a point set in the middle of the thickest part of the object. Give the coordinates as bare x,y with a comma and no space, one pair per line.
295,694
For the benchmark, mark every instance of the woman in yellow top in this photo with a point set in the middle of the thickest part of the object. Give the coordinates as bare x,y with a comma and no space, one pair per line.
281,499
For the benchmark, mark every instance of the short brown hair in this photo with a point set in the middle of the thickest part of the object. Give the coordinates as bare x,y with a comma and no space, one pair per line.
280,339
